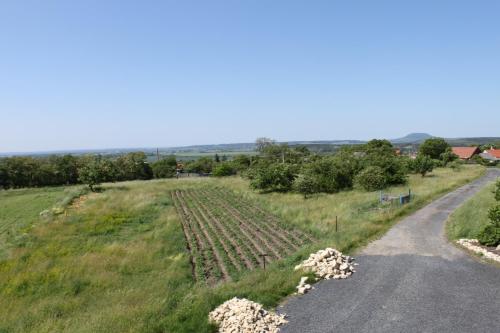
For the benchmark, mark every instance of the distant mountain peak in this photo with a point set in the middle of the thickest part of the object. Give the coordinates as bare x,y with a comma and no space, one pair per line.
413,138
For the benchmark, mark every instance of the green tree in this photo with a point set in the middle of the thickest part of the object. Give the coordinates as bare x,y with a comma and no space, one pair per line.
22,171
165,168
276,177
448,156
201,165
95,171
217,158
132,166
4,176
381,154
423,164
262,143
434,147
223,169
371,178
241,162
305,184
377,146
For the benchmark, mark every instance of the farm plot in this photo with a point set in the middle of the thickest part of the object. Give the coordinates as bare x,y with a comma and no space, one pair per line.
226,234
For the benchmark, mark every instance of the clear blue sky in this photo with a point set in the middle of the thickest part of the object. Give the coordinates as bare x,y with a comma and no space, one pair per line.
98,74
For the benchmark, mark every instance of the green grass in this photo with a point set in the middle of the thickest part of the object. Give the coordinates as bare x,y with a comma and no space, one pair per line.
468,220
19,209
118,263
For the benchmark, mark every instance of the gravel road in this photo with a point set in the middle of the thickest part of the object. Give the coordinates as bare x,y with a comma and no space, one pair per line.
410,280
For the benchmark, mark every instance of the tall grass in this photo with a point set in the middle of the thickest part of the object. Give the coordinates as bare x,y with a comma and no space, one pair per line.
118,263
468,220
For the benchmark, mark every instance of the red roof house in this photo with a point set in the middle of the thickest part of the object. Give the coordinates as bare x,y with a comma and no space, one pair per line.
491,154
465,153
494,152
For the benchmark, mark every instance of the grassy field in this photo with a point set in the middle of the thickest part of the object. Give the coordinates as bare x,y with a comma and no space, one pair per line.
19,209
117,261
468,220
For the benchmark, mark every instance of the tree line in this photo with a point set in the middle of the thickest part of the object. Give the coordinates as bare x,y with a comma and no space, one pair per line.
277,167
372,166
27,171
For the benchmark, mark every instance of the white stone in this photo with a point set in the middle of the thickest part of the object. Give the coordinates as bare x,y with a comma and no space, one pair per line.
473,245
242,316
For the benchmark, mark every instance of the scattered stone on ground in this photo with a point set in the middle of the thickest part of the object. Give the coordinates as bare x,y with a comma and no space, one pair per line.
328,264
239,315
303,287
474,246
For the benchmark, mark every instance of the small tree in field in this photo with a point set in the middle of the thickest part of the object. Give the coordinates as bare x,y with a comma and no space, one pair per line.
423,164
371,178
95,171
305,184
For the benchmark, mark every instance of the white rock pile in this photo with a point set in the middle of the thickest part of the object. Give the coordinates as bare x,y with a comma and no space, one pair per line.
328,264
473,245
303,287
239,315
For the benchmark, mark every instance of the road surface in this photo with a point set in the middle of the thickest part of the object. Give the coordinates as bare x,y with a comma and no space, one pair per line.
410,280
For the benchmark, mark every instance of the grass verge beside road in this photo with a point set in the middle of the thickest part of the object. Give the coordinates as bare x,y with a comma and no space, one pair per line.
468,220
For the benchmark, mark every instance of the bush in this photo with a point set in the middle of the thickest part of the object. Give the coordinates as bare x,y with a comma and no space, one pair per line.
448,156
393,168
165,168
456,165
223,169
371,178
277,177
201,165
305,184
490,235
423,164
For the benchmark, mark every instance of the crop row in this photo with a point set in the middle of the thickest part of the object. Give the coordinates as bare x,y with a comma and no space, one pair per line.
226,235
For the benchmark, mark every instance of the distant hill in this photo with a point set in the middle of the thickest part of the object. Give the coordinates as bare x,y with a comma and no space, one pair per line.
412,138
320,146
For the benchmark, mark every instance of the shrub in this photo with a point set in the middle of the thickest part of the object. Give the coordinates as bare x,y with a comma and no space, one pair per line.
448,156
423,164
490,235
224,169
371,178
165,168
305,184
437,163
201,165
277,177
456,165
